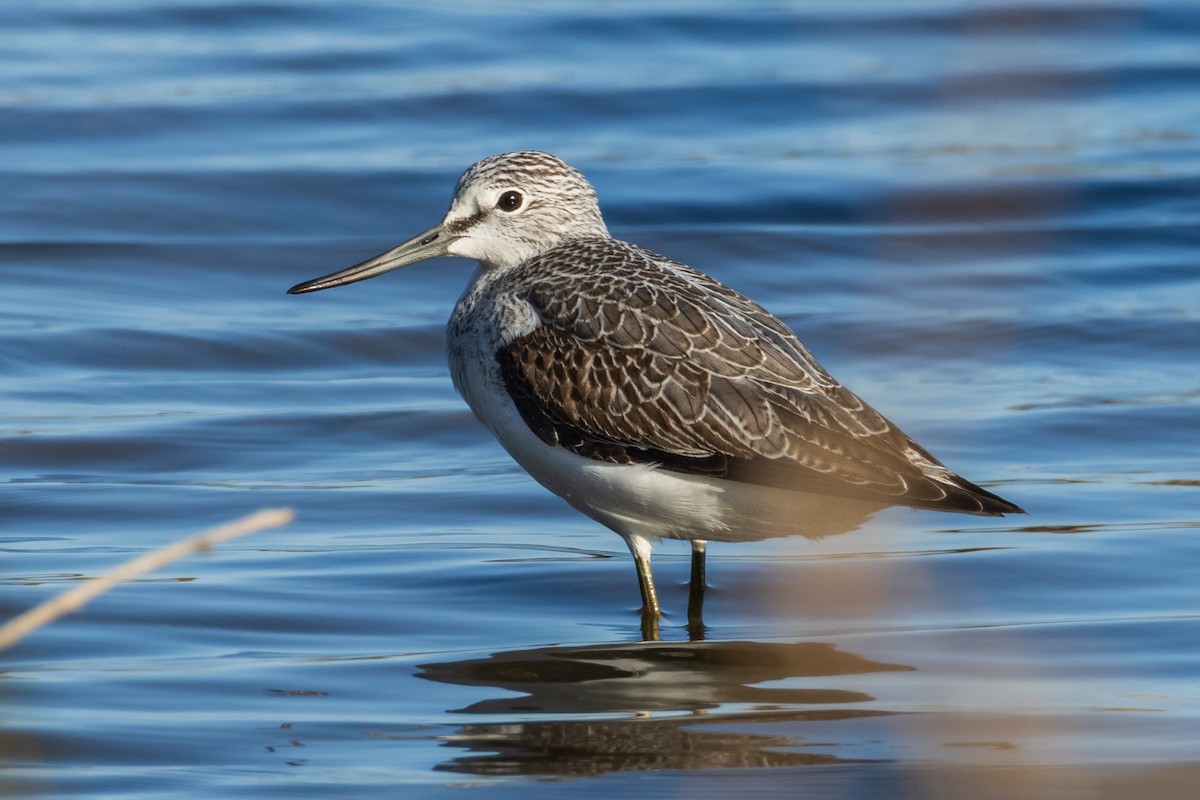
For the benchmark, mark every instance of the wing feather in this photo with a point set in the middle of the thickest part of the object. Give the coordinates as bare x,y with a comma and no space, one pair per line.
653,362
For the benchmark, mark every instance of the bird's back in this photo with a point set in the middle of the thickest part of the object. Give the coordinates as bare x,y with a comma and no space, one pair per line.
639,359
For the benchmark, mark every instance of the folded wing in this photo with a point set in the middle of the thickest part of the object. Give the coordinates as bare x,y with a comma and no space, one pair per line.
683,372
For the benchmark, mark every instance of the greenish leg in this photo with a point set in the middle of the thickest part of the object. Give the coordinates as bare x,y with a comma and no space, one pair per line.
646,583
650,610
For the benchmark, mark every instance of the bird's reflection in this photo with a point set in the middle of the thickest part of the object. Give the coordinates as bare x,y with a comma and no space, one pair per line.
671,706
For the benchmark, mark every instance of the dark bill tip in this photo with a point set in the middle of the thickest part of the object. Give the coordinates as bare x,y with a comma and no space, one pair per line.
307,286
430,244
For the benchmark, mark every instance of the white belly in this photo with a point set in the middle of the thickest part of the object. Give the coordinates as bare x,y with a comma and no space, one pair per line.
642,501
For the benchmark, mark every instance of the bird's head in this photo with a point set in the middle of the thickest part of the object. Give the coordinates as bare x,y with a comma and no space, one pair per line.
506,210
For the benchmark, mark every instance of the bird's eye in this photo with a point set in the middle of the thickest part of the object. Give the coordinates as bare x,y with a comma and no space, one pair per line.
510,201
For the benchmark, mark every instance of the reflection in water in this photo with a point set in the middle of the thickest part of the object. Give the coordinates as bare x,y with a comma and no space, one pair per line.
636,679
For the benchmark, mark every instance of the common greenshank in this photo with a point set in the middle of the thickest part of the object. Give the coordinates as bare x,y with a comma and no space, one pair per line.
648,395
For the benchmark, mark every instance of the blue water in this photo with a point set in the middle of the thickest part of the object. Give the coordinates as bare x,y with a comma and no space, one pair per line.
982,217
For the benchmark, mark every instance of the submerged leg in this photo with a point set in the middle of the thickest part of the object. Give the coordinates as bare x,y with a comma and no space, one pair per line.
696,586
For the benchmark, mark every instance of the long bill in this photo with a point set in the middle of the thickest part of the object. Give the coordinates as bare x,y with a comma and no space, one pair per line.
430,244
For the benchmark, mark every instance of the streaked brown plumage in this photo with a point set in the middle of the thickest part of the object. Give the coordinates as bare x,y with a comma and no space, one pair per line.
649,361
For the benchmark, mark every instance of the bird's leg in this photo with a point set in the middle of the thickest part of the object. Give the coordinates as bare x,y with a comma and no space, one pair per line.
650,610
646,583
696,588
699,547
640,548
649,627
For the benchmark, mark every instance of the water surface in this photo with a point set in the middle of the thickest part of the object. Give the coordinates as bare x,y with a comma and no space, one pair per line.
981,217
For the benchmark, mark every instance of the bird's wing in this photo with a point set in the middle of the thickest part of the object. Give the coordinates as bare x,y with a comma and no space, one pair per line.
654,362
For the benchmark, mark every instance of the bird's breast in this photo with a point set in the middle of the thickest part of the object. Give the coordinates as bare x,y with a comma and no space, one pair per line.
487,317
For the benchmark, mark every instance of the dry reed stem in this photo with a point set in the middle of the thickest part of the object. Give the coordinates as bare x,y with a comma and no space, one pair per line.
24,624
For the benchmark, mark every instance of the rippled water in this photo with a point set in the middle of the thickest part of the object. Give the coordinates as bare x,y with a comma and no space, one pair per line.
983,218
